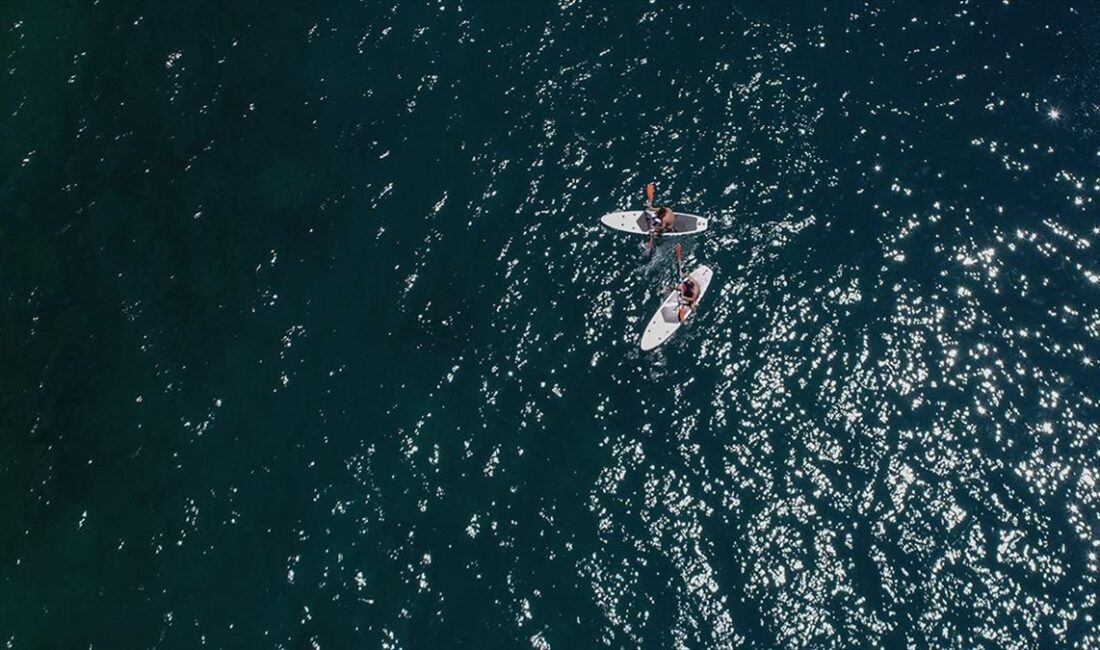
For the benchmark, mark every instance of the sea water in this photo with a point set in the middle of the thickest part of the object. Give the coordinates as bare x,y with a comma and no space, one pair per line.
312,338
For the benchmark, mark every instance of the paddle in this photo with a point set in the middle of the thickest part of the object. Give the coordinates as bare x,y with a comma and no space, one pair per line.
649,217
680,269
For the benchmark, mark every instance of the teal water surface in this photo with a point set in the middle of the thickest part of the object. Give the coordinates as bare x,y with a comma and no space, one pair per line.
311,336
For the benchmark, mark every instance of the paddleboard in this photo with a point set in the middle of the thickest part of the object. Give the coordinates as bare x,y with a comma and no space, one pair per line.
667,320
635,221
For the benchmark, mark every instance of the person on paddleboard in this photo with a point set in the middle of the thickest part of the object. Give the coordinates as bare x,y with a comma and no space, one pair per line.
664,219
689,295
661,219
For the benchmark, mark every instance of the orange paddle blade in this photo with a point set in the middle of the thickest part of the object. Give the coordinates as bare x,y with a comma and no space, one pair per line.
679,252
649,192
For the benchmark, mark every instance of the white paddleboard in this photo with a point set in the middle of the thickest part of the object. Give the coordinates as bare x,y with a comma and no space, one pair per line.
635,221
667,319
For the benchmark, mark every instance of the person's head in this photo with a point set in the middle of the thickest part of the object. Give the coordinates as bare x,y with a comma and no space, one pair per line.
661,212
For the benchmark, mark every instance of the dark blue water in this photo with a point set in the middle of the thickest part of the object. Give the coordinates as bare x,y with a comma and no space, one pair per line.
311,336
